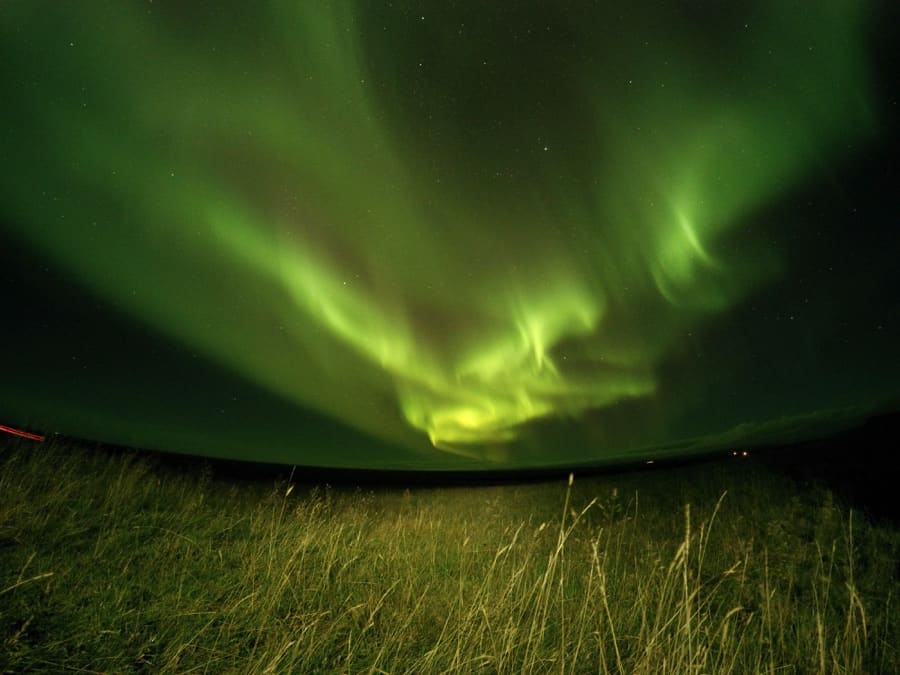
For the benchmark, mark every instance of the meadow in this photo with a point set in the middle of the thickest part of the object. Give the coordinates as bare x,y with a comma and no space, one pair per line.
120,561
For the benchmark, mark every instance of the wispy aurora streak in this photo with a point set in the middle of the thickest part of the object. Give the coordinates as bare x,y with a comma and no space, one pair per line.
306,196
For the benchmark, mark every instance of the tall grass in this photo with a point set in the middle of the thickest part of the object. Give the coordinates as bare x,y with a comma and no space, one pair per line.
115,562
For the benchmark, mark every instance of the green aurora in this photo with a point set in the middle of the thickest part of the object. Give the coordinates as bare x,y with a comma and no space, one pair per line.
458,235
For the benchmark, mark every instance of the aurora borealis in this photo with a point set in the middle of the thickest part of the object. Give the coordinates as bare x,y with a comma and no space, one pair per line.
443,234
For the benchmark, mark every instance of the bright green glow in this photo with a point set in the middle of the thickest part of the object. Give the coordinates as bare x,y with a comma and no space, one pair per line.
250,192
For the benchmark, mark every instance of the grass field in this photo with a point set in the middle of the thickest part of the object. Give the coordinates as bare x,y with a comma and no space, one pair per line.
118,561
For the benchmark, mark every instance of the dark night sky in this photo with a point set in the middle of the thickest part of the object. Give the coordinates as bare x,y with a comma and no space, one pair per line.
442,235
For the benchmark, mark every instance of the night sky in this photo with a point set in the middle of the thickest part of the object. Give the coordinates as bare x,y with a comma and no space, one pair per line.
448,235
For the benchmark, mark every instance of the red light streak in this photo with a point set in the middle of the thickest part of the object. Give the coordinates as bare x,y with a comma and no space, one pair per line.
19,432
